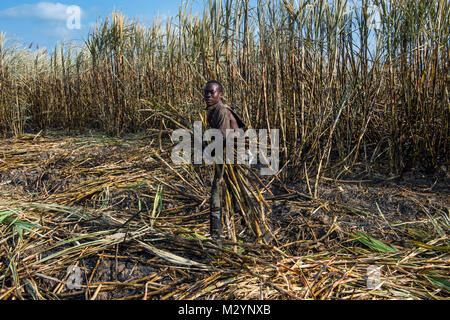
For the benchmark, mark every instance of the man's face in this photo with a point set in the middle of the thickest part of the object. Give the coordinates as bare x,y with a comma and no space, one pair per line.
212,94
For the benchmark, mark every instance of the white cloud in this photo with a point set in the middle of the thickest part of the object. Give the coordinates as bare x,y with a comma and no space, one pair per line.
42,10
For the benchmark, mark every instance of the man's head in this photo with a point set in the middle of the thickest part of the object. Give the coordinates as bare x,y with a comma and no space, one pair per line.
213,92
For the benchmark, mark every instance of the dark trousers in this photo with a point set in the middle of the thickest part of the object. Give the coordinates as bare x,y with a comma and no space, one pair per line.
216,189
215,204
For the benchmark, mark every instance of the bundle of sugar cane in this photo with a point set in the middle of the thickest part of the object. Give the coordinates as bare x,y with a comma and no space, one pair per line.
242,195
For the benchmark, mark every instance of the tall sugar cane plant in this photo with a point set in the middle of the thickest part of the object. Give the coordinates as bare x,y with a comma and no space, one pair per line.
343,89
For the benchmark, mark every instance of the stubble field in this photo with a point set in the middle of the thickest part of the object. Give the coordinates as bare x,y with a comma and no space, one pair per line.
136,227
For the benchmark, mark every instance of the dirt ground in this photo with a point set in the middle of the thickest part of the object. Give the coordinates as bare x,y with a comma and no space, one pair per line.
104,173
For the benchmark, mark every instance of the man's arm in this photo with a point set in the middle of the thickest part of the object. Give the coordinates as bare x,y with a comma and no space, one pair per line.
233,125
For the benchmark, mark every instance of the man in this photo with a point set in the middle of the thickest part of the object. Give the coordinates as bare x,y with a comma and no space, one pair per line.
221,117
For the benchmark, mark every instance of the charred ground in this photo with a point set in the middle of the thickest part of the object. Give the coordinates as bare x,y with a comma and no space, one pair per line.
92,202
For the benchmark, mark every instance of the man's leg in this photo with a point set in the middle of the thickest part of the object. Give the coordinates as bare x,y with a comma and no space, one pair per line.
215,209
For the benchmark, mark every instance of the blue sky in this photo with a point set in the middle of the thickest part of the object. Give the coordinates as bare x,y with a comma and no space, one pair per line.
45,22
